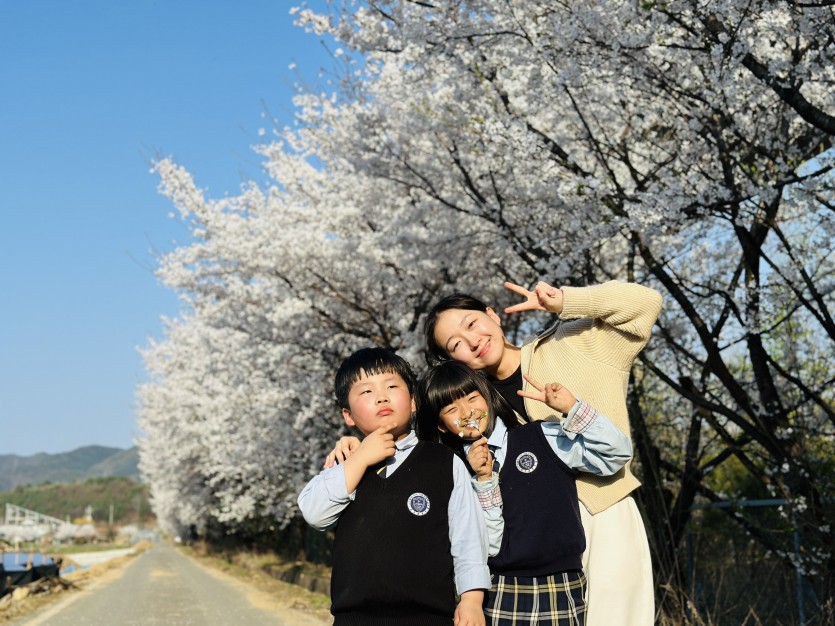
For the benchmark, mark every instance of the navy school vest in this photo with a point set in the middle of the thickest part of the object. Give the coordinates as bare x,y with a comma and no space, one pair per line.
543,533
392,561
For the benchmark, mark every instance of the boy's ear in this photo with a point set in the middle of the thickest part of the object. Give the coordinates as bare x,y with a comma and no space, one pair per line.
442,428
346,415
414,406
493,316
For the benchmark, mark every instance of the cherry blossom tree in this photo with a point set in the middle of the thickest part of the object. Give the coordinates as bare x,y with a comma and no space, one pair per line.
683,145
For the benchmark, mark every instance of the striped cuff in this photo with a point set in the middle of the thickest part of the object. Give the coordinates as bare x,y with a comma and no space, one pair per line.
491,498
582,418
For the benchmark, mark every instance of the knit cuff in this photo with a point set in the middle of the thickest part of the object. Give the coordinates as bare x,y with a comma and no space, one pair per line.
575,302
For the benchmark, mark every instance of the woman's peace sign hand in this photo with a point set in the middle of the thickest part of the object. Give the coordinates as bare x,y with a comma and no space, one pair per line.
544,297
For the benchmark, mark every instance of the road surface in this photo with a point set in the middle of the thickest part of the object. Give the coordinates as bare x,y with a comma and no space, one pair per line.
162,587
86,559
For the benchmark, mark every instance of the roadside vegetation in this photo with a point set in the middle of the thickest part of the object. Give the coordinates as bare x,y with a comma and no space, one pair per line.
285,579
69,501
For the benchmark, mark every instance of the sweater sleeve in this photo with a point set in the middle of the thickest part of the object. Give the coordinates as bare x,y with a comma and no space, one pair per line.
623,315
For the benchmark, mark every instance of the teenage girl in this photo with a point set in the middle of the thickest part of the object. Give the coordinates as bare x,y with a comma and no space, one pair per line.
525,479
591,348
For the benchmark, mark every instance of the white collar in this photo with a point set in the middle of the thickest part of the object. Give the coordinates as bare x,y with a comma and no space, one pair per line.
497,437
407,442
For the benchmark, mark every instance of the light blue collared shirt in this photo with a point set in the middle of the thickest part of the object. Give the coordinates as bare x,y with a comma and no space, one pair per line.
585,440
325,497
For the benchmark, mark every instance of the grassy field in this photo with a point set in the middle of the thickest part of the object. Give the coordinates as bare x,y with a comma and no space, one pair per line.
69,501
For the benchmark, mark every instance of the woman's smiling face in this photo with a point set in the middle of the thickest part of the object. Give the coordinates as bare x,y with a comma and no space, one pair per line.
474,338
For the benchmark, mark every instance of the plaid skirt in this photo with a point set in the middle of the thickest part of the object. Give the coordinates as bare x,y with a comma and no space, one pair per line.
556,600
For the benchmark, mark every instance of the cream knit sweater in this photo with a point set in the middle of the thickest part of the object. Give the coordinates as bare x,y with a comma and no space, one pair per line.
590,350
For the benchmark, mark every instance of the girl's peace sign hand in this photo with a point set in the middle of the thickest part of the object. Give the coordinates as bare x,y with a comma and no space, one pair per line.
553,394
544,297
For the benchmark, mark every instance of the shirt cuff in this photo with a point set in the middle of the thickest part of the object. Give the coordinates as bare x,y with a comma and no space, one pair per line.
579,418
488,492
476,577
336,487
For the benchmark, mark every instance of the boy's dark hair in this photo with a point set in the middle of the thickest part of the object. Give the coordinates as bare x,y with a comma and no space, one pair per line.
444,384
434,353
370,361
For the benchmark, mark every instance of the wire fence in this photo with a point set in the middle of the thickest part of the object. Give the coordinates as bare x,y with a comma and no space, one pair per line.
734,580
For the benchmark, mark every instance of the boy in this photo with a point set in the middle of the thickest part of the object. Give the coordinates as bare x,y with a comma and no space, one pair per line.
409,530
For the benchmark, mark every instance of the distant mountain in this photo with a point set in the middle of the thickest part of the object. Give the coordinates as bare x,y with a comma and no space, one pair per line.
123,463
66,467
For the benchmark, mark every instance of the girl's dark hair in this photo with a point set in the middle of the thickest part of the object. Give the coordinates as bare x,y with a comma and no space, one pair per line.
434,353
370,361
444,384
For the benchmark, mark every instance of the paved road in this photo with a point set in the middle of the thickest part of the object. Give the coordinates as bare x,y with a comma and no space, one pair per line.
85,559
162,587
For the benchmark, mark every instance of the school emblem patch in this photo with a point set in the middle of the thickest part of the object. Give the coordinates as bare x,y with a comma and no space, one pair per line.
526,462
418,504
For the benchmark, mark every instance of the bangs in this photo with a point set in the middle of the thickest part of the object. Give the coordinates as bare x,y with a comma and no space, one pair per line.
446,385
373,369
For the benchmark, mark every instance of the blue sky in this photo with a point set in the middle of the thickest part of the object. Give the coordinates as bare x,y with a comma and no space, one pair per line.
90,93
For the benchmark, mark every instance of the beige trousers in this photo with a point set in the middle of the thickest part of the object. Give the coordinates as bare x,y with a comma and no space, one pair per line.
618,567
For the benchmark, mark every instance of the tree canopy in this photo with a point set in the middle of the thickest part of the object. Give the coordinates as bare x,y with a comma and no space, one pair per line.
683,145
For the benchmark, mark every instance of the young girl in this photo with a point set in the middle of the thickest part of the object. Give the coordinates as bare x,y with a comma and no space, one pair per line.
590,350
536,536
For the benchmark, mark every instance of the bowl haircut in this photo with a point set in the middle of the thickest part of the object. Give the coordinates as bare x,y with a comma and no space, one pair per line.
369,362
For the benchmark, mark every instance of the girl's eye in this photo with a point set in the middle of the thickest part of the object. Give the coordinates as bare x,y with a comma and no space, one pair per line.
455,346
471,324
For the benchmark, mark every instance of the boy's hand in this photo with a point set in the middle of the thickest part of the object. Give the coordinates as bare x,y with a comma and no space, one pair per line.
342,450
553,394
468,612
481,459
376,447
544,297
